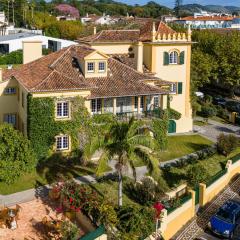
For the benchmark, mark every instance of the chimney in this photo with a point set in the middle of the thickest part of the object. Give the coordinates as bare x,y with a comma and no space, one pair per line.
139,56
32,50
1,73
95,30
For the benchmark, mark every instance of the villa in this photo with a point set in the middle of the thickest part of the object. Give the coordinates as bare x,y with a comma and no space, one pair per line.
119,72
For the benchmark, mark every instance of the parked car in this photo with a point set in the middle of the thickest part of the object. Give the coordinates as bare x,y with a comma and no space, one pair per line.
225,221
233,106
219,101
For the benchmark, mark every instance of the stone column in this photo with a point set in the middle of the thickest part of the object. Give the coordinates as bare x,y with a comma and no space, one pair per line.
114,106
139,104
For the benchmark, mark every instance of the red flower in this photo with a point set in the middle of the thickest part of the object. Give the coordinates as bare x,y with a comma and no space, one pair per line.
70,200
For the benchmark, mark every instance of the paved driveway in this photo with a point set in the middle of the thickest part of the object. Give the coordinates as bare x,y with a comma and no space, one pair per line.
213,129
198,225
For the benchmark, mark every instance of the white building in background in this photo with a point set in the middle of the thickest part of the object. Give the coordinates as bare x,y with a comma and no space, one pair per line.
2,17
94,19
13,42
236,23
206,22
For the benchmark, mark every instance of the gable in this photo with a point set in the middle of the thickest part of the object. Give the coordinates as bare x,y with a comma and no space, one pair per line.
96,56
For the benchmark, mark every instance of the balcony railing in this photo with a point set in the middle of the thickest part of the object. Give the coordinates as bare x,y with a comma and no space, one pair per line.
149,114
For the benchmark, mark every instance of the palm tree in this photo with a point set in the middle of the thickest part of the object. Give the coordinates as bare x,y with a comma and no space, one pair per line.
127,142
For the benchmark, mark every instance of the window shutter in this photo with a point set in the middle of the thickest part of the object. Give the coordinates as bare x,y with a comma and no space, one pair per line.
182,58
166,58
180,85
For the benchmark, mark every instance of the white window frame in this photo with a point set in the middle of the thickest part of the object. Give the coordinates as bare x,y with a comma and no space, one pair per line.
9,117
96,106
10,91
173,57
93,67
61,110
62,143
104,67
156,102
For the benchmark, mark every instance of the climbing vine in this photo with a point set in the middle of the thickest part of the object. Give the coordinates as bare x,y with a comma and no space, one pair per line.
42,126
160,129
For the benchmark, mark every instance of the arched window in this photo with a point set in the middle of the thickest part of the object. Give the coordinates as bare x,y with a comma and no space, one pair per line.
173,57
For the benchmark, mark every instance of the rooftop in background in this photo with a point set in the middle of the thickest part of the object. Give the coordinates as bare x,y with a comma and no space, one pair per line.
143,34
16,36
207,18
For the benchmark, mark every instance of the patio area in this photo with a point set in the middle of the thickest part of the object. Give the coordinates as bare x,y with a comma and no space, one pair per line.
34,220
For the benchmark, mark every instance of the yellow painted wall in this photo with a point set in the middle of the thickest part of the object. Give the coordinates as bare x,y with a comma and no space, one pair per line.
147,56
210,192
177,73
112,48
8,103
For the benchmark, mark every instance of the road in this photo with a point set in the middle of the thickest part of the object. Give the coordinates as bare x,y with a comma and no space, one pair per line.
198,225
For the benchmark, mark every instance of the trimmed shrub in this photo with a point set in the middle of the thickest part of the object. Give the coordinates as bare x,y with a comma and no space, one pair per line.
227,143
196,174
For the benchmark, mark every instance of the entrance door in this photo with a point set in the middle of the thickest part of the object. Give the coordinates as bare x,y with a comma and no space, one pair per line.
171,126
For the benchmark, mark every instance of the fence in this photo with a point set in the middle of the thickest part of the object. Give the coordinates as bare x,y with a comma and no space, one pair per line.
175,218
97,234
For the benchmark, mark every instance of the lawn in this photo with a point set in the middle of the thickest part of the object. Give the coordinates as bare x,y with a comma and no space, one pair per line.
50,171
109,189
179,146
199,123
46,174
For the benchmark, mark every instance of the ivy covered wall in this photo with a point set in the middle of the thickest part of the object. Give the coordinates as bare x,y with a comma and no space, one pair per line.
42,127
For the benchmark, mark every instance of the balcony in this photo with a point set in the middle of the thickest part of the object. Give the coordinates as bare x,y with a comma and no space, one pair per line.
150,114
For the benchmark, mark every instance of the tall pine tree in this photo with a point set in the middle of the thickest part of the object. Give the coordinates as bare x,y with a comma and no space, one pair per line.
178,4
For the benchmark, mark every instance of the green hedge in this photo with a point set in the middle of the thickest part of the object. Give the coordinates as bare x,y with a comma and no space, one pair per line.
181,202
216,177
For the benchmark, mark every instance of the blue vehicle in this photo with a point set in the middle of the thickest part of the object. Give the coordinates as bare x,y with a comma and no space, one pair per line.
225,221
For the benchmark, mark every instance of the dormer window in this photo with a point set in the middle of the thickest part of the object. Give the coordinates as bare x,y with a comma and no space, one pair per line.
90,67
101,67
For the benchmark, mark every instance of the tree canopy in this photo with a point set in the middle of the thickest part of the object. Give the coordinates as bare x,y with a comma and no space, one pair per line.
16,154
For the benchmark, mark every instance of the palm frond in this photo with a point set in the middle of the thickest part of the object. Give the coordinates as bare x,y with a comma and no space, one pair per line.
144,140
132,165
151,163
102,162
91,147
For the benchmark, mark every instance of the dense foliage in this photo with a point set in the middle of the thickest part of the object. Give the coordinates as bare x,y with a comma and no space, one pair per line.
227,143
42,127
16,154
215,59
149,190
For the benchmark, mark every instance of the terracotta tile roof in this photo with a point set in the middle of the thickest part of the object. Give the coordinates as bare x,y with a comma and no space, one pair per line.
142,34
123,81
60,71
113,36
161,28
206,18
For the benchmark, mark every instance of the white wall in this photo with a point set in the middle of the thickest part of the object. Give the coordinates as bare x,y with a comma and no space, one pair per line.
16,44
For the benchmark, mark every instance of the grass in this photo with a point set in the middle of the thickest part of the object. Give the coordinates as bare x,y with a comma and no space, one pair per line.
5,66
109,189
51,169
220,120
48,173
212,166
200,123
179,146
